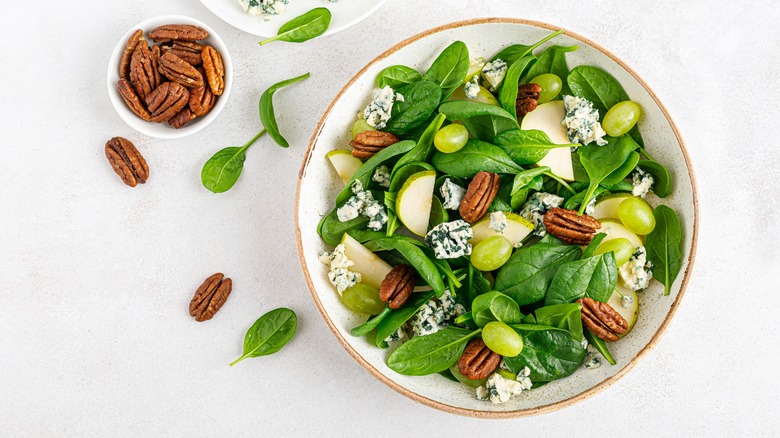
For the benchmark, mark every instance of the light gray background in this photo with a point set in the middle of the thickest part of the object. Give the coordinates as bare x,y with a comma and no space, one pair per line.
95,339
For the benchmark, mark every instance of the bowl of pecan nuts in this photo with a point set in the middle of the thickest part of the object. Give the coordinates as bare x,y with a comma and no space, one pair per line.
169,76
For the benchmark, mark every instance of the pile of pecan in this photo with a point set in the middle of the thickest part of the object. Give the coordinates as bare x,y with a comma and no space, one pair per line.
174,81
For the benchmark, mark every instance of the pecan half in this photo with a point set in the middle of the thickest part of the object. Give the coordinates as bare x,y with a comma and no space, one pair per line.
132,100
397,286
570,227
480,193
602,319
184,32
215,69
181,118
368,143
210,297
127,53
186,50
527,98
167,100
477,360
142,74
178,70
127,161
155,55
201,100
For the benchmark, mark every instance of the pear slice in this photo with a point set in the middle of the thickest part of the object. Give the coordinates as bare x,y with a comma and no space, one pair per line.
367,264
629,313
483,96
615,229
517,228
345,164
413,203
548,117
607,207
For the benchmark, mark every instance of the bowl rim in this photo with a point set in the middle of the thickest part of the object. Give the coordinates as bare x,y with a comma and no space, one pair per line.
144,127
520,412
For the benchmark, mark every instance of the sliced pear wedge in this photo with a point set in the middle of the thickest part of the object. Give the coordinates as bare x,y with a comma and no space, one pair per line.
607,206
631,312
547,117
517,228
413,203
367,264
615,229
345,164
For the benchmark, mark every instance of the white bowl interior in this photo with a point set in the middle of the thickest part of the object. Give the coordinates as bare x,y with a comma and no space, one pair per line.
163,130
319,185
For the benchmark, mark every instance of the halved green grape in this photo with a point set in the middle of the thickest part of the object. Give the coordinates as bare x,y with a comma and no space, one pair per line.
363,298
637,215
551,86
621,118
621,247
462,379
451,138
491,253
502,339
359,126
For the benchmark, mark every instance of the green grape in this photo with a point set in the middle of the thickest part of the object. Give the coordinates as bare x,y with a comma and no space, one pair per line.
637,215
502,339
363,298
451,138
551,86
491,253
621,247
462,379
361,126
621,118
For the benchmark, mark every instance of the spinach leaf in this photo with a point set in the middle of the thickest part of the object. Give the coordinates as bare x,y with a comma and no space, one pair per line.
473,158
593,245
507,95
331,229
663,182
450,68
397,76
476,285
575,201
549,354
366,171
267,116
427,269
601,161
622,186
303,27
495,306
269,334
525,177
438,214
368,326
420,101
403,172
563,316
519,197
512,53
553,60
422,150
483,121
528,273
594,277
623,171
398,317
222,170
503,199
526,146
664,246
601,346
423,355
597,86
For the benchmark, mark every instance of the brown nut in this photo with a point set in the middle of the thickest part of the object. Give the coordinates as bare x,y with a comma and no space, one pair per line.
124,61
181,118
142,74
184,32
479,195
210,297
201,100
368,143
602,320
215,69
189,51
132,100
570,227
127,161
527,98
477,360
155,55
178,70
397,286
167,100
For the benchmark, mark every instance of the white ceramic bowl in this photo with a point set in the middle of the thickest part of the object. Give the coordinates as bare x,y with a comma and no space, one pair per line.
319,184
163,130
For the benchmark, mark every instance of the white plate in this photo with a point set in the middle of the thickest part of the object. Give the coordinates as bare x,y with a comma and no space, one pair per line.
345,14
319,184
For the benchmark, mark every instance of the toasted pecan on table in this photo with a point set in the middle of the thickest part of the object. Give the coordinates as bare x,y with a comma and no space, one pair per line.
367,143
210,297
397,286
477,360
482,189
126,161
570,227
602,320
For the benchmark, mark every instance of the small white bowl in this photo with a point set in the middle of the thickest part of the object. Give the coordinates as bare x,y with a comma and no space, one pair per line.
164,130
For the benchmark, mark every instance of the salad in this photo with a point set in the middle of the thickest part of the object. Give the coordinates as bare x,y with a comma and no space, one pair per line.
496,222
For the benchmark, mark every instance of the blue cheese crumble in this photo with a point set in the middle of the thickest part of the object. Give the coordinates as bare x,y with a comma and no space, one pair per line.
499,389
450,240
494,73
266,8
626,301
582,121
397,335
363,203
471,88
637,272
642,182
497,221
452,194
591,361
535,208
339,275
382,176
378,112
435,315
591,207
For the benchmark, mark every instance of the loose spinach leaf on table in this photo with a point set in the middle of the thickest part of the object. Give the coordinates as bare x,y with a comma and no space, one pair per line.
473,158
507,95
267,116
422,149
420,101
553,60
526,146
303,27
601,161
594,277
549,354
664,246
269,334
601,346
512,53
450,68
397,76
662,186
495,306
423,355
483,121
563,316
398,317
366,171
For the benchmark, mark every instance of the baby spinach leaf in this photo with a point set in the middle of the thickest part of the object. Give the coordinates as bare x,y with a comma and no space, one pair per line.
503,199
303,27
267,116
368,326
575,201
331,229
423,355
422,150
420,101
519,197
473,158
450,68
398,317
563,316
495,306
553,60
549,354
601,161
623,171
664,246
438,214
417,259
525,177
507,95
594,277
526,146
366,171
222,170
512,53
484,121
269,334
397,76
662,186
476,285
593,245
403,172
597,86
529,271
601,346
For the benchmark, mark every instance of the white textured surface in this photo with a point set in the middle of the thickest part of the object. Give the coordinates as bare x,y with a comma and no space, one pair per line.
94,334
